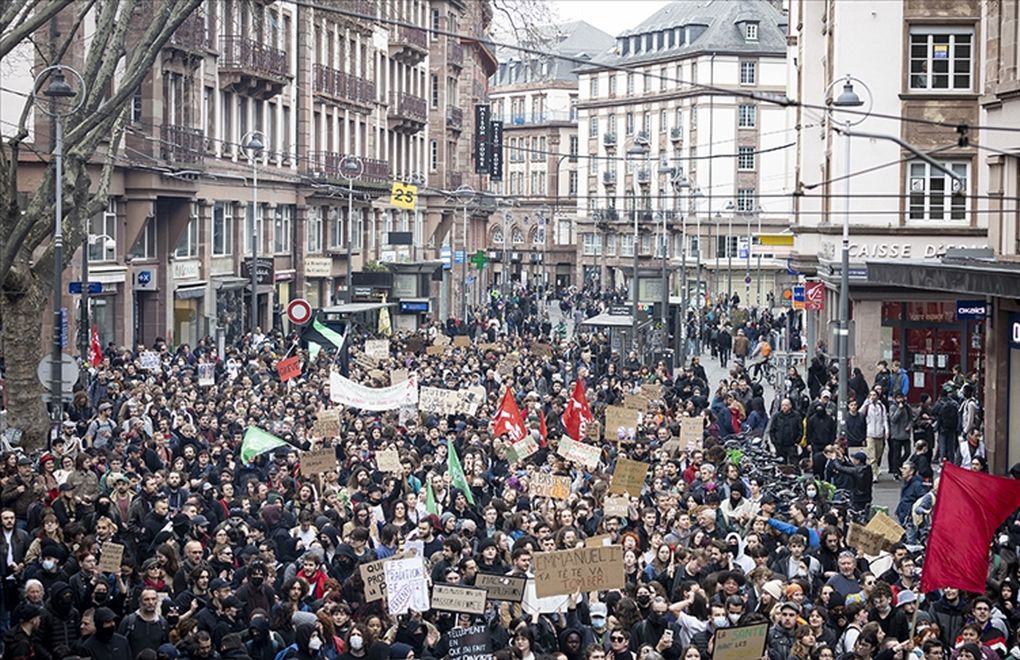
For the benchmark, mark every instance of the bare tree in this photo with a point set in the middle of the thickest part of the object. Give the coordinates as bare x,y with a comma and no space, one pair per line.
125,41
527,23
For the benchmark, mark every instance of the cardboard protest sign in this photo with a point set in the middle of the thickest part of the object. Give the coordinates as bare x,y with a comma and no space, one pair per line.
621,424
616,507
450,402
462,341
549,485
502,587
327,424
740,643
583,569
150,362
435,350
452,598
651,392
109,560
692,433
318,461
635,402
886,527
377,349
506,366
594,431
524,447
289,368
628,477
865,540
598,541
388,460
472,643
541,350
406,585
441,340
374,577
398,376
414,345
206,375
486,347
580,453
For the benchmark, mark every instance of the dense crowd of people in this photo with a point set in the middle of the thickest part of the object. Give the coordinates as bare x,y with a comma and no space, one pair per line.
233,560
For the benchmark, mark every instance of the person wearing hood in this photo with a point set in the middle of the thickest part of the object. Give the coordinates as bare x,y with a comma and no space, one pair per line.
262,643
61,619
307,643
255,594
401,651
106,644
658,632
821,432
570,644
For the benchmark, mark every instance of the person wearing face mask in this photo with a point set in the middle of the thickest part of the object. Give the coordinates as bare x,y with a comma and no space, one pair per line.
658,631
263,643
61,619
255,593
105,643
356,648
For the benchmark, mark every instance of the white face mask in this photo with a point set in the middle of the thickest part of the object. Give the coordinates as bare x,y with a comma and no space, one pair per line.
811,493
720,621
356,643
733,617
314,644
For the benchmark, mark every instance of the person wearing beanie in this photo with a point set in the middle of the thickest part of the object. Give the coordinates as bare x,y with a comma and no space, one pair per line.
21,641
105,643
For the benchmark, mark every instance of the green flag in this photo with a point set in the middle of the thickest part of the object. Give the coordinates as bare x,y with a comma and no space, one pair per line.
313,350
458,480
320,333
430,498
256,442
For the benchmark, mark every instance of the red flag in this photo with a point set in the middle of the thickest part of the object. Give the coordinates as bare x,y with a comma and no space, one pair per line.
95,349
508,420
969,507
578,414
543,432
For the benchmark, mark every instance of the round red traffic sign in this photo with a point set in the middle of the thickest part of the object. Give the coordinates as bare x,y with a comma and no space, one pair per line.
299,311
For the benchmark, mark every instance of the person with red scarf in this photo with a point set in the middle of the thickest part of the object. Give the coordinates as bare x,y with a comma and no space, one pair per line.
312,573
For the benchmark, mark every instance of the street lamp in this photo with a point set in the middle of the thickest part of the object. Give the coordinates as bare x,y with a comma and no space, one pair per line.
254,146
466,194
680,183
60,95
696,197
638,148
351,168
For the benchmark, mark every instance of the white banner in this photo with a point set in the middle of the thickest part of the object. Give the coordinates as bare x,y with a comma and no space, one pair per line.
346,391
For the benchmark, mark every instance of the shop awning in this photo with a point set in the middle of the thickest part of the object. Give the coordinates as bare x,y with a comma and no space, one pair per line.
608,320
357,308
192,290
228,282
421,267
979,277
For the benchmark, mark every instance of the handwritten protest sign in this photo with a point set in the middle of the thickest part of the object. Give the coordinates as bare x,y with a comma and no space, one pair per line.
388,460
579,452
435,350
628,477
621,424
522,448
549,485
318,461
406,585
598,541
486,347
206,375
692,433
865,540
541,350
398,376
110,559
450,402
582,569
651,392
441,340
616,507
327,424
374,577
452,598
740,643
886,527
502,587
414,345
473,643
377,349
593,431
635,402
289,368
150,362
462,341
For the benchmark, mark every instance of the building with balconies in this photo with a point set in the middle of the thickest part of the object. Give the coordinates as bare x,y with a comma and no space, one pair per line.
536,99
679,143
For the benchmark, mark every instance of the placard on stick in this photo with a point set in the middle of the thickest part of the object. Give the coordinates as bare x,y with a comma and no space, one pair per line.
318,461
579,452
549,485
740,643
636,402
327,423
377,349
616,507
452,598
886,527
621,424
692,433
373,575
398,376
289,368
598,541
110,558
388,460
865,540
462,341
582,569
628,477
502,587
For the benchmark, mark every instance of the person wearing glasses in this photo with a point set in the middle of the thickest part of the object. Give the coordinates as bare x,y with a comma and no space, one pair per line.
619,645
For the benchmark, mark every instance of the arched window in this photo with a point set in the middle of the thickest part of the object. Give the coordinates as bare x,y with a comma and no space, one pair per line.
497,236
517,236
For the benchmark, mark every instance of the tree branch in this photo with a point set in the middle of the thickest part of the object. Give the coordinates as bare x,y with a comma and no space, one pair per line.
31,21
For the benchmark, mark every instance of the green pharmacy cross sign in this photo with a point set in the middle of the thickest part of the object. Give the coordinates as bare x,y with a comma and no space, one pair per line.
479,259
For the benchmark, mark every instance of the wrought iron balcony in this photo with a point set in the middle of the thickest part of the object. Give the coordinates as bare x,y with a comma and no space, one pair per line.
252,68
644,175
343,87
641,137
409,44
642,215
454,117
326,165
605,215
609,139
676,135
191,37
407,113
609,178
181,144
455,56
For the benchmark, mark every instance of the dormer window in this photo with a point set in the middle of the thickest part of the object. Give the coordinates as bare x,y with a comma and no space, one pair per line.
751,31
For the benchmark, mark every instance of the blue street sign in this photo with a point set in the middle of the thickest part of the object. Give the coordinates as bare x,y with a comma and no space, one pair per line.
144,277
459,257
446,254
799,296
75,288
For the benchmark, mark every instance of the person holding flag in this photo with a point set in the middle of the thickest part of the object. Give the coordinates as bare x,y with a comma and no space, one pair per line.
507,420
577,415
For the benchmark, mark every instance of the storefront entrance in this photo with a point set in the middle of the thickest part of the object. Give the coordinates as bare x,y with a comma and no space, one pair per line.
929,341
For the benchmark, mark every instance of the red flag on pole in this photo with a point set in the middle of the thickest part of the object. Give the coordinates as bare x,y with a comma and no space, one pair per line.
578,414
543,432
969,507
95,349
508,420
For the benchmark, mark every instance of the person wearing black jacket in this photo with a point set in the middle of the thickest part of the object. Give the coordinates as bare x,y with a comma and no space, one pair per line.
821,432
61,619
860,497
786,432
856,427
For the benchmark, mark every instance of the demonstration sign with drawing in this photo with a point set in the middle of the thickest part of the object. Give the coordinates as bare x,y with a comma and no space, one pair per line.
451,402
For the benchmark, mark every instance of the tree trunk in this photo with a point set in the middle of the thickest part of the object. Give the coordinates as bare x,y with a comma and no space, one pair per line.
24,313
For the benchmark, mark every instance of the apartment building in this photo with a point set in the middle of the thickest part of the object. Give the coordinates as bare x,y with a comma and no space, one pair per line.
920,76
532,240
317,83
680,158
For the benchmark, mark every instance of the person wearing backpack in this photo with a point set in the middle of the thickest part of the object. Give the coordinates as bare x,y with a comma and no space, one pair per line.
145,628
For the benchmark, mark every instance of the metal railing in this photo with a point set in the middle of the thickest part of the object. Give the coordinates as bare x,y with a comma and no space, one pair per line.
454,117
327,164
191,34
676,134
341,85
605,215
408,106
412,36
609,139
609,178
644,175
249,55
181,144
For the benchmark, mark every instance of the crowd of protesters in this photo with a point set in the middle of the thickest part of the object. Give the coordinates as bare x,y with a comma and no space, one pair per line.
226,559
